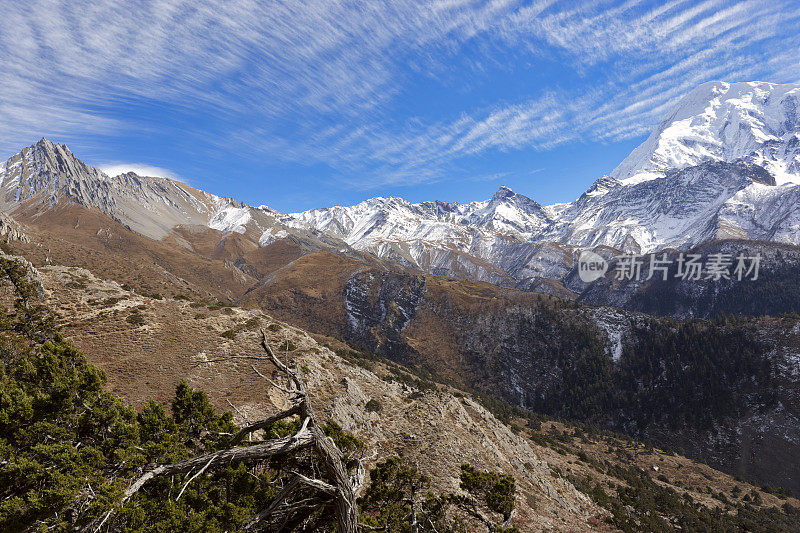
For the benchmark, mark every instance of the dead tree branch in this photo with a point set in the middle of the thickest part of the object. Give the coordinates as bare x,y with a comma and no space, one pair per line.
256,452
341,489
264,424
199,472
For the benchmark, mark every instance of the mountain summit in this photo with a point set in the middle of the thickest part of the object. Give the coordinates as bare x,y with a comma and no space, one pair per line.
503,192
47,174
755,122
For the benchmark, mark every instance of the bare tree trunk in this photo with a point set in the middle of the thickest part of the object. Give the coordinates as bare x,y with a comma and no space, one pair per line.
346,508
343,488
256,452
413,502
346,493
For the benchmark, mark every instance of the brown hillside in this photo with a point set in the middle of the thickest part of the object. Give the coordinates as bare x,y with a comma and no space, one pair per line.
147,345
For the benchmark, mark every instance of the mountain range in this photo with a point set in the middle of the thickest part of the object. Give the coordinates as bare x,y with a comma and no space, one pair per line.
721,170
723,164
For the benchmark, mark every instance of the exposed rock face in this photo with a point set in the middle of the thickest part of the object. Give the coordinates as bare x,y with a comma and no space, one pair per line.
591,363
380,307
10,230
33,275
48,174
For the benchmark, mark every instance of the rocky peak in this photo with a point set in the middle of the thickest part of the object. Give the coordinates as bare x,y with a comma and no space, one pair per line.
46,174
601,186
130,175
59,159
721,121
503,192
10,230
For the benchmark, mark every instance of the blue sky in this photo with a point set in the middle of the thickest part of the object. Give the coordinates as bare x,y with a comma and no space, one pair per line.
301,103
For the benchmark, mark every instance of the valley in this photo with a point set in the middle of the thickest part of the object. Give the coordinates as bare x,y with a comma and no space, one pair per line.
468,323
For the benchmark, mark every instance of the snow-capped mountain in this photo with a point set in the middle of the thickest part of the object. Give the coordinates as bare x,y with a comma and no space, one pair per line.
724,163
382,219
524,241
480,240
752,121
681,209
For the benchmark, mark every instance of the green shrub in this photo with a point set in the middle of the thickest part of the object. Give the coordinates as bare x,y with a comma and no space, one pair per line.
69,448
373,406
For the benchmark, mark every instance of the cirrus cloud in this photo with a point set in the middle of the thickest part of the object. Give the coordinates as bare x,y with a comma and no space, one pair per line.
338,82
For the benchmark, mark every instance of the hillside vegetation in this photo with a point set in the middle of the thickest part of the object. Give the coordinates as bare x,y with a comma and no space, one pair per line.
70,449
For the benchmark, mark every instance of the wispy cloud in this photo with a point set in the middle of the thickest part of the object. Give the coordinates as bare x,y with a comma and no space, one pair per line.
320,80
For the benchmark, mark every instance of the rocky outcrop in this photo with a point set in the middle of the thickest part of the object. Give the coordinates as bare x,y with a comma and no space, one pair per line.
10,230
379,307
